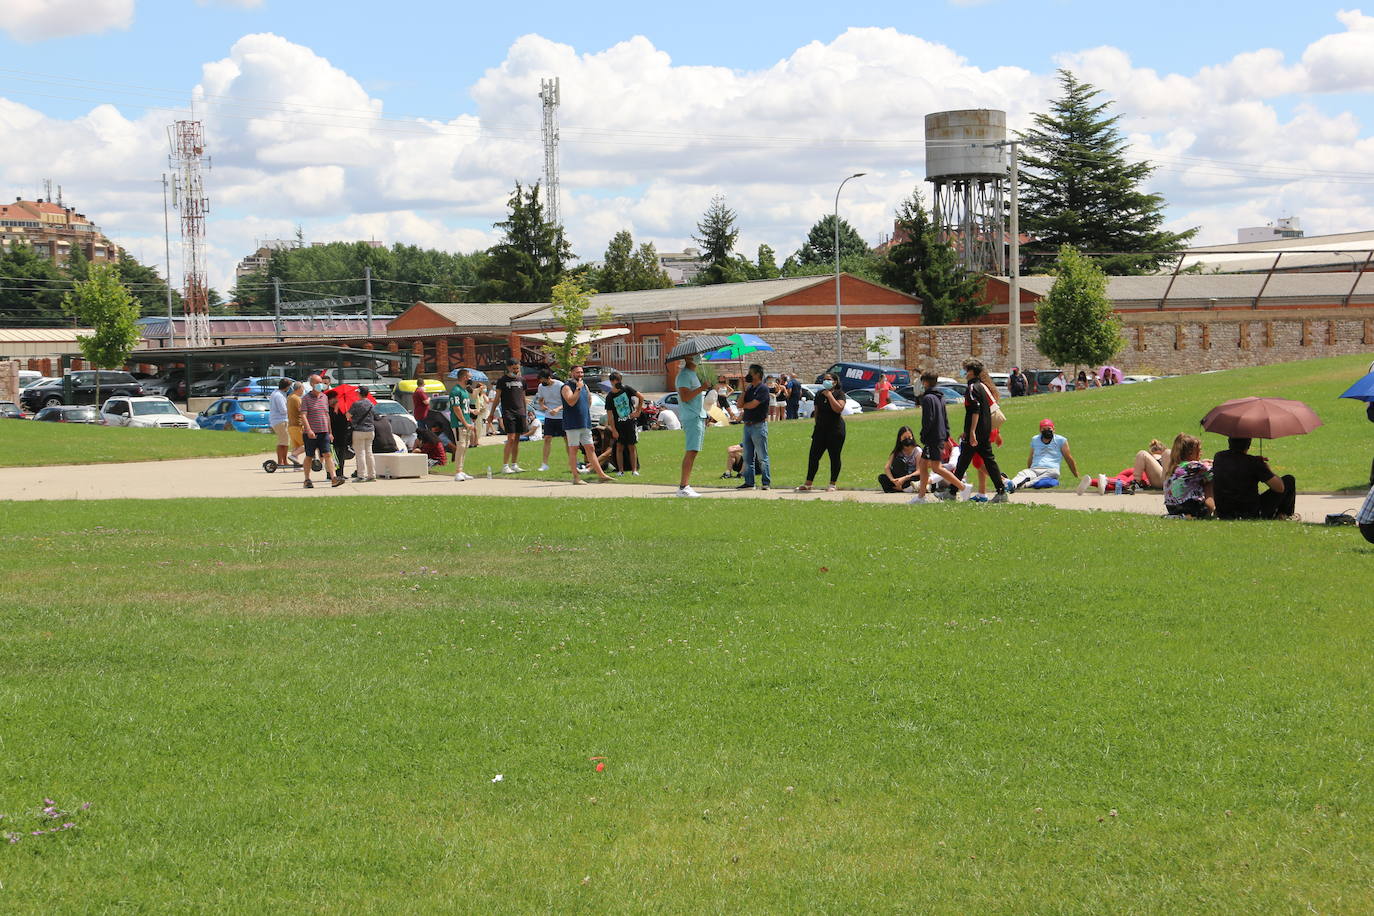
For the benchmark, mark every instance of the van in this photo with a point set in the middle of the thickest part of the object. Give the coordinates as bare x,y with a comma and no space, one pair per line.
865,375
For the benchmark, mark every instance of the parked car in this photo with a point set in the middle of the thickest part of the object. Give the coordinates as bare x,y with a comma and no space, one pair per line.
237,414
27,377
80,388
10,411
144,412
171,384
807,407
1038,380
39,380
529,372
867,399
211,385
379,385
69,414
865,375
253,385
951,395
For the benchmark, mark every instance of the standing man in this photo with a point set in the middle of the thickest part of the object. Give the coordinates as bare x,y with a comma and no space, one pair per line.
548,407
934,435
294,430
1047,450
419,401
754,402
315,426
577,423
793,390
691,396
510,400
460,409
276,418
624,406
363,417
977,439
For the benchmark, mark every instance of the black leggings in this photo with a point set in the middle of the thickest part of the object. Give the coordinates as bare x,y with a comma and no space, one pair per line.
819,446
983,448
1273,505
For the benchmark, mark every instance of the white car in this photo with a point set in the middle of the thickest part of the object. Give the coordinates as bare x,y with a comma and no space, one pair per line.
145,412
808,404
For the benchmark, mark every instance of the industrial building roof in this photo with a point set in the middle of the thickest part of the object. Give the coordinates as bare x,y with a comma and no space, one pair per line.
1197,290
481,314
1338,251
40,335
722,296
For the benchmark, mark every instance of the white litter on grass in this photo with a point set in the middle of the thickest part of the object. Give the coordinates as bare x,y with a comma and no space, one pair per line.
498,778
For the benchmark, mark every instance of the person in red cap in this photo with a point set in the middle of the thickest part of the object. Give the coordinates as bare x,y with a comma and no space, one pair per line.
1048,450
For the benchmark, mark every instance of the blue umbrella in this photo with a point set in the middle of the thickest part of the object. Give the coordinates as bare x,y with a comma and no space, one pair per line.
1363,390
740,345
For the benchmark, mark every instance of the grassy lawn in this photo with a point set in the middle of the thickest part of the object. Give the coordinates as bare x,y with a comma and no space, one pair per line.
29,444
933,710
1105,428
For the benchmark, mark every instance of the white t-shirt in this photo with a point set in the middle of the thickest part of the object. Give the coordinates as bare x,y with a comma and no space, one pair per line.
668,420
1058,384
548,397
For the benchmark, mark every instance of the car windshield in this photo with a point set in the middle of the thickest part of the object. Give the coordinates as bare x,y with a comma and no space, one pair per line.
256,405
389,407
154,408
81,413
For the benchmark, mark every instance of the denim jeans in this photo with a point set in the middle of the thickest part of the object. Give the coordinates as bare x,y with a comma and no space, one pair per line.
756,446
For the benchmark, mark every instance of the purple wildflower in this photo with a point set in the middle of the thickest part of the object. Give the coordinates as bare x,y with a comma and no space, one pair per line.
85,806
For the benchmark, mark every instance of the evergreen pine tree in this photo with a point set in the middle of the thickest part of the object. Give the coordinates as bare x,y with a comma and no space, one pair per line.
768,263
1076,323
1077,188
926,267
645,270
529,260
819,247
28,291
717,238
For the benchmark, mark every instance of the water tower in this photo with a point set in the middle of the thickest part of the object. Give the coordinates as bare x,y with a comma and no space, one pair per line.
970,178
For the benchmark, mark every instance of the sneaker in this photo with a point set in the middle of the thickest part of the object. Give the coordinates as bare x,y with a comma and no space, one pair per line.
543,467
516,469
1011,487
338,482
620,473
922,500
634,473
309,485
726,476
967,491
1102,484
505,469
745,486
1000,497
980,498
767,487
459,477
1083,484
687,492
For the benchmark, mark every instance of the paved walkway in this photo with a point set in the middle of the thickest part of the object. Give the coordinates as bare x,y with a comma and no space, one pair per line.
243,477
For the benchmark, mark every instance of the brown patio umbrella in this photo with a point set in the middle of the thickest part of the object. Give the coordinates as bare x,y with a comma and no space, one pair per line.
1261,418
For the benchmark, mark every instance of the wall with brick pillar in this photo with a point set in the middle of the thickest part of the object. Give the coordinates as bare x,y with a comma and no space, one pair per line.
441,366
417,347
470,352
808,351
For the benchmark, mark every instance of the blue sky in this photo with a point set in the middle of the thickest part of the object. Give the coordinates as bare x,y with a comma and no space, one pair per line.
856,80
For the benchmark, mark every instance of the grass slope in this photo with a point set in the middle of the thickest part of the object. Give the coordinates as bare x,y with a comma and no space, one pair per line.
1105,428
29,444
802,707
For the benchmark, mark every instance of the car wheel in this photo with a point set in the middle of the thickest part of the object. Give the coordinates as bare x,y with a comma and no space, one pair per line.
52,402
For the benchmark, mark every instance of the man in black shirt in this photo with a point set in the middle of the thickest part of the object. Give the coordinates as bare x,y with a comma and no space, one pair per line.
754,402
1236,476
510,394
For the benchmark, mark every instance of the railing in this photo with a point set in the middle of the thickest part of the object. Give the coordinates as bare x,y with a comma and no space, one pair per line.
628,355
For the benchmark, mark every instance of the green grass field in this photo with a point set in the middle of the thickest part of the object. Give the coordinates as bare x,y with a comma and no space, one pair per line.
802,707
29,444
1105,428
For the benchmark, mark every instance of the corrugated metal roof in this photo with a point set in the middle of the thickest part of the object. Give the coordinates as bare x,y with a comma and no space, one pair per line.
482,314
750,294
40,335
1225,288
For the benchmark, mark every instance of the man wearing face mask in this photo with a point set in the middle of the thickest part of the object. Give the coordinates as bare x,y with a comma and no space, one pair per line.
755,403
315,426
1047,450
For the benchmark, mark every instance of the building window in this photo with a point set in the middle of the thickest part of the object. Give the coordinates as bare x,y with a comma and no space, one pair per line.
653,347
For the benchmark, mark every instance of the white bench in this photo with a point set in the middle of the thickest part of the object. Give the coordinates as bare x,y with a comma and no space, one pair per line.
407,464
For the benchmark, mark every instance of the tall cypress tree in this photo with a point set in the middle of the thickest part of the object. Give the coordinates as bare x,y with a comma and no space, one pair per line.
530,259
1077,188
928,268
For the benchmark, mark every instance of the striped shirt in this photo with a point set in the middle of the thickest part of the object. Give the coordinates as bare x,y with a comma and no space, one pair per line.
315,414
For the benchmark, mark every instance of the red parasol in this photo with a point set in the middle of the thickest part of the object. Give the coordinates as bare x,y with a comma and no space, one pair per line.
1261,418
347,396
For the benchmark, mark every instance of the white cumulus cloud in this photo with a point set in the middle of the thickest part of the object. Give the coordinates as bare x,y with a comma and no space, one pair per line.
38,20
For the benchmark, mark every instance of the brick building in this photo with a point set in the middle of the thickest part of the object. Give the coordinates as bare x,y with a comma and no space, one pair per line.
52,231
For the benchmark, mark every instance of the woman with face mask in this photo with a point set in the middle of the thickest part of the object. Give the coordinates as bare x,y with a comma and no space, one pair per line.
827,435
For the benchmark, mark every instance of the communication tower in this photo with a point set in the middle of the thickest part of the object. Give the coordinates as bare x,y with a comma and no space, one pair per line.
549,95
187,140
969,173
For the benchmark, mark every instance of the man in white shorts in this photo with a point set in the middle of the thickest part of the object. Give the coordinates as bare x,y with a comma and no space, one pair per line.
577,425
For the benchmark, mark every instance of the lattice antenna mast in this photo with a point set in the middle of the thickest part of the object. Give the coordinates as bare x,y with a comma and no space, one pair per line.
188,196
549,95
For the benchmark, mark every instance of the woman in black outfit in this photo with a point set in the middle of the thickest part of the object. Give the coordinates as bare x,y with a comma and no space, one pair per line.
341,431
828,433
978,429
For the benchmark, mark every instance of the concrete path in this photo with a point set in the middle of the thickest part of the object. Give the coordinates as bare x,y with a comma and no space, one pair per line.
243,477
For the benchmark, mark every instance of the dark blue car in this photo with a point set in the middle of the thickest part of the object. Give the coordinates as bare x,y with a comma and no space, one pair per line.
244,415
853,376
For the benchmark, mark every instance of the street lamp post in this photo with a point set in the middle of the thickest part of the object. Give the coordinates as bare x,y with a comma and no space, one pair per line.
839,346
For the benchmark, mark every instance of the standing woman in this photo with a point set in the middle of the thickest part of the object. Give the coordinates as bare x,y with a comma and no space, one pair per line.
827,435
978,401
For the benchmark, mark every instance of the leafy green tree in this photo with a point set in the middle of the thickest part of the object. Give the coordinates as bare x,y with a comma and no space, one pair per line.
530,259
1076,322
645,270
146,285
927,267
768,263
78,265
863,265
718,234
1077,188
614,276
819,247
30,286
104,305
569,302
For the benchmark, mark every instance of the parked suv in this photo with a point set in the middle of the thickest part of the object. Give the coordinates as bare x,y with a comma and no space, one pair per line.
82,389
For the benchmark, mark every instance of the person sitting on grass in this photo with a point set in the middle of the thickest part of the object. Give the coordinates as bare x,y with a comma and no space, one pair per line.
1048,450
1236,476
903,468
1188,482
1149,466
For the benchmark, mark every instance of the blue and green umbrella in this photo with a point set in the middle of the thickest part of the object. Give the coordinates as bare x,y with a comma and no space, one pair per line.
741,345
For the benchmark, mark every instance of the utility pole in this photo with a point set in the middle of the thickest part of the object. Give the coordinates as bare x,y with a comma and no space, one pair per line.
839,334
1014,268
167,255
276,305
367,294
550,96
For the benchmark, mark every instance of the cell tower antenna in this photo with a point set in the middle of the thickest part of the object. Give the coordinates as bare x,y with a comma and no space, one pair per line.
188,155
549,95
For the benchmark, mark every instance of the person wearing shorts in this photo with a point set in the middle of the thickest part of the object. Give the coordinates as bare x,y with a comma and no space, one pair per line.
934,435
276,418
577,422
294,433
548,408
510,400
315,429
691,395
623,407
